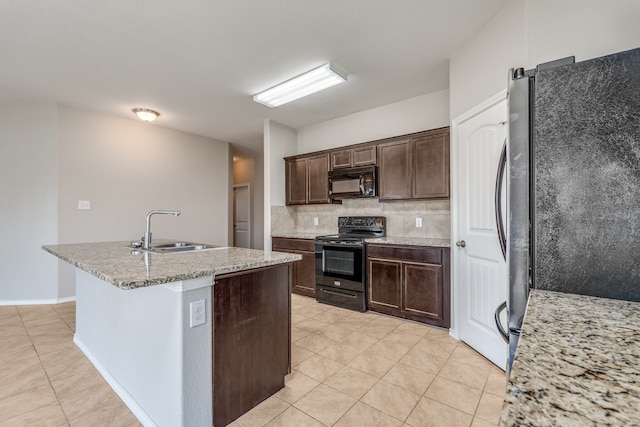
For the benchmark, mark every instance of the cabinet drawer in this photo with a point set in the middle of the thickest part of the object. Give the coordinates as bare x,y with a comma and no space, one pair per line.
293,244
426,255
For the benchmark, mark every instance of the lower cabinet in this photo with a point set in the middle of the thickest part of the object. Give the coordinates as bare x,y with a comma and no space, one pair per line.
412,282
304,271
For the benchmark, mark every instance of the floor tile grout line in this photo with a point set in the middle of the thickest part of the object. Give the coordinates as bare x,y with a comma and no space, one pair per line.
436,375
38,355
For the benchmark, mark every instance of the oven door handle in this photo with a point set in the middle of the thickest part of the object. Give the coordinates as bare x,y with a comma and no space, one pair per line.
337,245
340,294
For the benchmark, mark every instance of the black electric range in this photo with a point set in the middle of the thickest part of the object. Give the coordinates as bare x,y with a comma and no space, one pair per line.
341,263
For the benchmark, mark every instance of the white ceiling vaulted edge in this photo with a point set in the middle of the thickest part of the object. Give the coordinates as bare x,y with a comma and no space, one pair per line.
200,62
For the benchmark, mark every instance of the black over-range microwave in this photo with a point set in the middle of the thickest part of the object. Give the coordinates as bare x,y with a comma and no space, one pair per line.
352,183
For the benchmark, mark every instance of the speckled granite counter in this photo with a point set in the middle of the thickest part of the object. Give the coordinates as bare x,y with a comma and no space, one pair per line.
119,265
411,241
577,363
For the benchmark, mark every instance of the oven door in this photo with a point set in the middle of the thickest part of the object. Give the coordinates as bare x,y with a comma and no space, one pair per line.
340,266
340,275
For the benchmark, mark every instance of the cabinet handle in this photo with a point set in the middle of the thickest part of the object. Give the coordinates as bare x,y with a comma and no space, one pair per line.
461,244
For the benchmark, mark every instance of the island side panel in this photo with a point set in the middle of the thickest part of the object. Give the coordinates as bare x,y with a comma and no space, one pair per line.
251,339
141,343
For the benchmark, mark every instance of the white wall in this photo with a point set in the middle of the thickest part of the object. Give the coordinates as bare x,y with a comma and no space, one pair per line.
582,28
28,190
279,142
52,156
127,168
526,33
411,115
479,69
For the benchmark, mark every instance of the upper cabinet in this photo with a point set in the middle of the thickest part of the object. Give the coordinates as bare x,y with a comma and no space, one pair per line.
410,167
395,170
307,180
353,157
431,166
415,168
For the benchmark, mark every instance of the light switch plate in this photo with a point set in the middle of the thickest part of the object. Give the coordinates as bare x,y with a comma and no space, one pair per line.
84,204
419,222
315,221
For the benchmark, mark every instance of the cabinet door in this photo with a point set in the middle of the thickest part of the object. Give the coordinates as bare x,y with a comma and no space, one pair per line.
341,159
296,181
395,170
365,156
318,179
431,167
304,274
384,286
422,287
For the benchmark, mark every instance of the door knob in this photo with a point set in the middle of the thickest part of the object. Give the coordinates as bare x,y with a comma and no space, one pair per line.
461,243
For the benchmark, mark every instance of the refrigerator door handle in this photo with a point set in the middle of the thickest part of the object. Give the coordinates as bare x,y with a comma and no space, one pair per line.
502,164
496,315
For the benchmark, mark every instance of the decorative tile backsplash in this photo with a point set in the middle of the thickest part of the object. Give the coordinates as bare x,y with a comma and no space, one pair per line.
400,217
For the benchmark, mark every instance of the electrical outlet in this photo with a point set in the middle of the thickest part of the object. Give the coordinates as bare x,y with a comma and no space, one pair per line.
419,222
84,204
198,315
315,221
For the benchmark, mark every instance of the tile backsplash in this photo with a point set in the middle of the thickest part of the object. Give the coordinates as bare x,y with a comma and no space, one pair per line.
400,217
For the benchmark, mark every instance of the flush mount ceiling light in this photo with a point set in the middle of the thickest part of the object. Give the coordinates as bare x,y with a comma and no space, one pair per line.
305,84
145,114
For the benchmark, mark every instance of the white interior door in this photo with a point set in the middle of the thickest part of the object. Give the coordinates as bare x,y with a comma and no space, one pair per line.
482,272
241,216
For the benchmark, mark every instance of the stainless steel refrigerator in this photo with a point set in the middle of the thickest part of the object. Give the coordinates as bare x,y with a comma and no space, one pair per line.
573,181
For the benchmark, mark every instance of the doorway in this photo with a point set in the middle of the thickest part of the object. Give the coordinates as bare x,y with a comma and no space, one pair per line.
480,273
242,216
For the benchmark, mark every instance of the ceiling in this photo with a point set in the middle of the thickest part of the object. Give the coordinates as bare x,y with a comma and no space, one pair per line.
199,62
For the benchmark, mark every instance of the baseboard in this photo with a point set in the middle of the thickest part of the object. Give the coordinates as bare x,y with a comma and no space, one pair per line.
52,301
128,400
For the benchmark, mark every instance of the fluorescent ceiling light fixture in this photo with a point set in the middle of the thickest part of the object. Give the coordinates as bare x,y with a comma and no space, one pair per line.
305,84
145,114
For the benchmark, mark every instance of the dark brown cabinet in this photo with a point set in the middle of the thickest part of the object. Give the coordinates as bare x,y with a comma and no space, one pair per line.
353,157
296,178
304,274
415,168
431,166
306,180
395,170
412,282
251,341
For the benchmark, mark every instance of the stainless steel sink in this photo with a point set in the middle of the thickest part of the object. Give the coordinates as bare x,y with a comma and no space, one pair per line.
173,247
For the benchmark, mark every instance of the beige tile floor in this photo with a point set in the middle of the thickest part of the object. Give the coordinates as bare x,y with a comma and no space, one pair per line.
349,369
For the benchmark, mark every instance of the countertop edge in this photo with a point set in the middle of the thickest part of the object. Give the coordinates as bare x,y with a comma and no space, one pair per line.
169,278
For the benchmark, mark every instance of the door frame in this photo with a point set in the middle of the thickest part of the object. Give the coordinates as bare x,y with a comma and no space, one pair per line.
233,209
454,330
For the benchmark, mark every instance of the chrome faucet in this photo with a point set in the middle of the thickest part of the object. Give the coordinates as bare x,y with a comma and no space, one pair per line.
146,240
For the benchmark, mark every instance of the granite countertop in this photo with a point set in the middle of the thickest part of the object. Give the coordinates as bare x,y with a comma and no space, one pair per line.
126,268
411,241
577,363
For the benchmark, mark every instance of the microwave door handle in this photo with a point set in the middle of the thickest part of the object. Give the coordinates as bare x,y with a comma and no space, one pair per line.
361,184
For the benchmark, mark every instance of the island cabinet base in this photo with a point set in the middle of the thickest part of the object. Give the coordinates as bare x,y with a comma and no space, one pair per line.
251,339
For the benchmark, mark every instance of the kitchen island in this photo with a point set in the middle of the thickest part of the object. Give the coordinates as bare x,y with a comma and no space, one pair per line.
577,363
134,316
